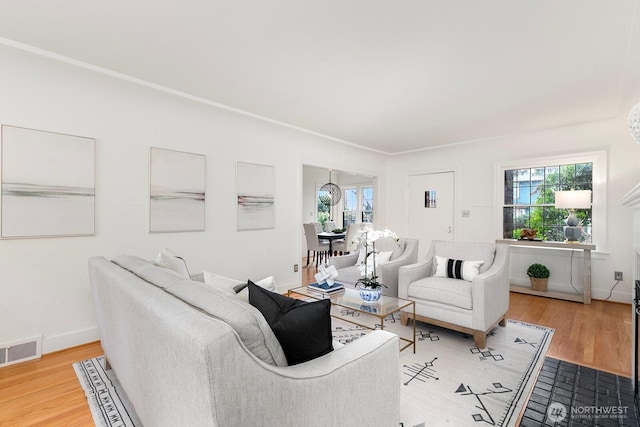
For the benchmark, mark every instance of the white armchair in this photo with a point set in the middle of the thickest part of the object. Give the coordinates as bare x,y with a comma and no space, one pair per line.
473,306
404,252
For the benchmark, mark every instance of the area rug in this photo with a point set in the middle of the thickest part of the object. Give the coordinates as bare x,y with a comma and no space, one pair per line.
108,404
448,381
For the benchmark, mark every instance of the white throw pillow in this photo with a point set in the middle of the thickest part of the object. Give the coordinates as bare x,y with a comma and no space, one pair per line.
227,284
384,257
169,260
269,283
220,282
457,269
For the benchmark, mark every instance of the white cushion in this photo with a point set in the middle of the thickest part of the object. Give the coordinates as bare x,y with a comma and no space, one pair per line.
386,244
483,251
269,283
169,260
384,257
452,292
457,269
227,284
220,282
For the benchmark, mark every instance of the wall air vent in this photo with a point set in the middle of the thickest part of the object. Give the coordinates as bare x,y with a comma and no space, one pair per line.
20,351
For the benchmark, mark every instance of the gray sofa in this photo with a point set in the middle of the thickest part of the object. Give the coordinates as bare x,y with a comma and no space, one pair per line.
189,354
404,252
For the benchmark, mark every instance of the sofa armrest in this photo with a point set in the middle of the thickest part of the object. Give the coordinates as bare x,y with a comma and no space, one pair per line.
344,261
324,391
410,273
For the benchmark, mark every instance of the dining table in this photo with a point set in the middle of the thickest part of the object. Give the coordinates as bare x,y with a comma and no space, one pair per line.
331,236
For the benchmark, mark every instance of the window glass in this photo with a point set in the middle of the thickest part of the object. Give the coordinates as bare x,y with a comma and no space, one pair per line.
350,206
529,198
323,207
367,204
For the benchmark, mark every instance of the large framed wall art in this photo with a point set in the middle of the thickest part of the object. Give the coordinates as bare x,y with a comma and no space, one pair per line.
48,184
255,190
177,191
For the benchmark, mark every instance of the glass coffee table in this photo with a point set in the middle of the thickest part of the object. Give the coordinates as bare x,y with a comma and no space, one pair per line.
350,300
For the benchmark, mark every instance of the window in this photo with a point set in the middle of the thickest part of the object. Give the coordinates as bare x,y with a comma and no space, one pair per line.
323,208
350,206
529,198
357,203
367,204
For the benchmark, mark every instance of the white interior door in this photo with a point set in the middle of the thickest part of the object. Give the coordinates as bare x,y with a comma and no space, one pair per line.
430,210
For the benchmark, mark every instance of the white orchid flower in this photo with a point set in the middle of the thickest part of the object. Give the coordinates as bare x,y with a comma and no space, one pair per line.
366,238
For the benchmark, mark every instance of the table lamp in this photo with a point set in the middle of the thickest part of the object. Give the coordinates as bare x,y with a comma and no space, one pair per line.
572,200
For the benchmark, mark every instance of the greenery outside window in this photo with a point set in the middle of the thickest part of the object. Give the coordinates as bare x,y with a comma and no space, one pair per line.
323,207
529,199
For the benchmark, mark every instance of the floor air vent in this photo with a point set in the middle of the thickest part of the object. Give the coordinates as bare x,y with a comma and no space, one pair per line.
20,351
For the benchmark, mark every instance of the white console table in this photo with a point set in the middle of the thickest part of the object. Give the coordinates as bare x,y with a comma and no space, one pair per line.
587,248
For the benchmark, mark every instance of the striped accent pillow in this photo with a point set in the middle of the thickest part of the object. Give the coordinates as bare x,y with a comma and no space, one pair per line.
457,269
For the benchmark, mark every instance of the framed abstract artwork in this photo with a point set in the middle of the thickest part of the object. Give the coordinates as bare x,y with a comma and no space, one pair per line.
48,184
177,191
255,190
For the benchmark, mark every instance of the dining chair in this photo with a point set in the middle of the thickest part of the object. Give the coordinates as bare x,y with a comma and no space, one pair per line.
329,226
319,247
350,234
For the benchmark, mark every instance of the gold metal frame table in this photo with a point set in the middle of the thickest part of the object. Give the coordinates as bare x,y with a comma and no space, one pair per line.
350,300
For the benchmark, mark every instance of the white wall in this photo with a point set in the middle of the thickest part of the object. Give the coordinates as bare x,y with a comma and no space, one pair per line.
44,282
475,166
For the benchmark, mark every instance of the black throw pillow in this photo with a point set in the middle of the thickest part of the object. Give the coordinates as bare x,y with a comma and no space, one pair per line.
302,328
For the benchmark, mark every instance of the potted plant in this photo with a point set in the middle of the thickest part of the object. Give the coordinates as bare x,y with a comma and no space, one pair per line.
370,288
539,276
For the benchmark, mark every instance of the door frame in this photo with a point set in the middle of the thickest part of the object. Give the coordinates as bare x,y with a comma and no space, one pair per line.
456,201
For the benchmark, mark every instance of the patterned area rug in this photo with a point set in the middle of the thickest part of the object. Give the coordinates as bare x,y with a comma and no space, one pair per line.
108,403
448,381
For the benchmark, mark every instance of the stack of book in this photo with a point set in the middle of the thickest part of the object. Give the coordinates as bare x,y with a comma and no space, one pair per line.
325,288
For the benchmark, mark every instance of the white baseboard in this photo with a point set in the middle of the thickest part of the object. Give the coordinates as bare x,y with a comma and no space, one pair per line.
68,340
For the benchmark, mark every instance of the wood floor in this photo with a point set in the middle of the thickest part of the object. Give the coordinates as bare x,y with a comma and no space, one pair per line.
46,392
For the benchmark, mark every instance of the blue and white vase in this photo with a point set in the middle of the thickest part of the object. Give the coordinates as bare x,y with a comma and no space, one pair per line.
370,294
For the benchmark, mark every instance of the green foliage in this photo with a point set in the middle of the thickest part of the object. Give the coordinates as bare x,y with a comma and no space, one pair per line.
323,209
538,271
545,218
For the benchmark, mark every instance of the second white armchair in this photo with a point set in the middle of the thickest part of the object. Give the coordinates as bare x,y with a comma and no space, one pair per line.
462,286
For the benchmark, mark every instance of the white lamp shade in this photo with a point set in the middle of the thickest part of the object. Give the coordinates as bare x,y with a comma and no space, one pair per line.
574,199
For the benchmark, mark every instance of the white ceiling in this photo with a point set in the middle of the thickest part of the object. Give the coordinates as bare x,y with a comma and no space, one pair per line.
393,76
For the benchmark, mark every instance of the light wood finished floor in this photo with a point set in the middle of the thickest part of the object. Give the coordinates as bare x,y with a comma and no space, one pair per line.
596,335
46,392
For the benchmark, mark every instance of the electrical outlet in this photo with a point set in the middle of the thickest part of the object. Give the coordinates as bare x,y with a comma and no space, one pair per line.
295,268
617,275
466,214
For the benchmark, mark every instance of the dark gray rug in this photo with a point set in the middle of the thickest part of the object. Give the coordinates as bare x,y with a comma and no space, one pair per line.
567,394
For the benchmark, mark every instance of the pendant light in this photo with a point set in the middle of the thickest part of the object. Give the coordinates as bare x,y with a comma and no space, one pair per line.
333,191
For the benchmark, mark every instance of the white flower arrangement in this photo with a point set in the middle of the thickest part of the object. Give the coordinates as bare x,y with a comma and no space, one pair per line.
366,239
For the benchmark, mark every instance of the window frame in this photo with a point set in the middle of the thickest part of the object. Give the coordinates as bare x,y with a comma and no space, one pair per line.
359,202
599,183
